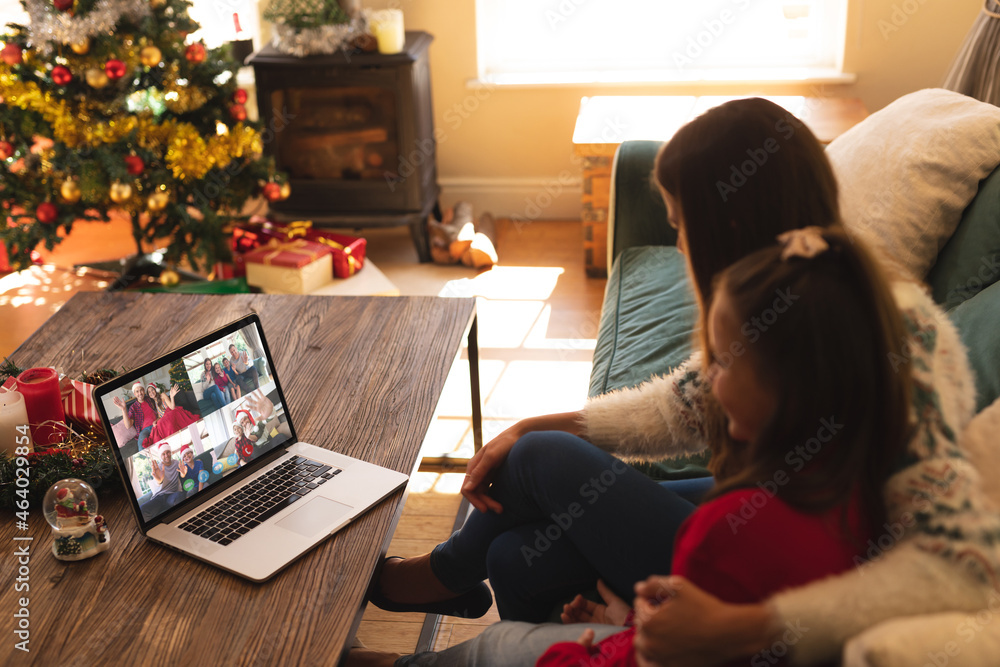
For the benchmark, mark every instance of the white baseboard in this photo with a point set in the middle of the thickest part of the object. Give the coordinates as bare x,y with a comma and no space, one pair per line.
556,198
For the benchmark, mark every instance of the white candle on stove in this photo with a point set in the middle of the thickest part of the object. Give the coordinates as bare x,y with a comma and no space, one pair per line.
13,415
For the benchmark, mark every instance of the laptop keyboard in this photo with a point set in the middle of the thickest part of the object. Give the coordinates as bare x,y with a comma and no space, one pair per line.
235,515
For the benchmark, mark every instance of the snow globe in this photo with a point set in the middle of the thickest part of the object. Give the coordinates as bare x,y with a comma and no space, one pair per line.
78,531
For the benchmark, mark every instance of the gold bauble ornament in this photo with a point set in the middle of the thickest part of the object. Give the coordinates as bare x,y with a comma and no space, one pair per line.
157,201
70,192
96,78
169,277
120,192
150,56
82,47
156,4
285,191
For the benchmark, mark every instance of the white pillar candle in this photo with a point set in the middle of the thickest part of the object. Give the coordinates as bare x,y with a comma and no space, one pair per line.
387,27
13,422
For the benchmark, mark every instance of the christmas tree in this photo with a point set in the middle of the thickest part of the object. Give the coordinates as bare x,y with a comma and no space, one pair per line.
105,107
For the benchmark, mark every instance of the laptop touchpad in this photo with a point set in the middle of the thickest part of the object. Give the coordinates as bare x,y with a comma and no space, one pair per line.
314,516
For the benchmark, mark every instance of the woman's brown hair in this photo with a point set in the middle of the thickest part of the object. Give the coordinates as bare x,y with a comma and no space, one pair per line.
843,398
742,173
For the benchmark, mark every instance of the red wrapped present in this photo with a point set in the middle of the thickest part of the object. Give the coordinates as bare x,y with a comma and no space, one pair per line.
348,251
289,267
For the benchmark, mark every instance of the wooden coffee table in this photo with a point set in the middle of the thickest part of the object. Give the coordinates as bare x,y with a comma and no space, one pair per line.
361,375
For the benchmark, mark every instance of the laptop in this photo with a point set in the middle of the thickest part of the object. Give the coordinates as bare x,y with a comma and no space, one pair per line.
211,463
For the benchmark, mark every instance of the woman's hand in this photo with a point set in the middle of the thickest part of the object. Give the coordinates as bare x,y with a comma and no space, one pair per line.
483,466
173,390
679,624
581,610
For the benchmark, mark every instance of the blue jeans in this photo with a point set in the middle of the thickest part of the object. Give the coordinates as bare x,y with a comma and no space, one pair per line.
572,513
143,434
214,394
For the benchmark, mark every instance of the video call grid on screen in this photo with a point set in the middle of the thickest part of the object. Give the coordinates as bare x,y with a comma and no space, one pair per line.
199,435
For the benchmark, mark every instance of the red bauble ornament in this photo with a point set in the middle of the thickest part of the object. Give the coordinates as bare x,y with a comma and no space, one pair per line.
46,213
62,5
12,55
272,192
115,69
195,53
238,112
61,75
240,96
6,150
134,165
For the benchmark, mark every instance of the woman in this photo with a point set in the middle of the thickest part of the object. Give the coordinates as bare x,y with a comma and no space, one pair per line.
172,416
222,381
674,415
211,392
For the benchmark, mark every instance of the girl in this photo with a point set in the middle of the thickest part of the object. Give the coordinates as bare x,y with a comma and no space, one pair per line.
816,418
173,417
234,378
222,381
211,392
548,458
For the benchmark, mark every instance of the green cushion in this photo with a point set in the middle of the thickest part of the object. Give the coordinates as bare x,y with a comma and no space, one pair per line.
970,260
978,321
647,326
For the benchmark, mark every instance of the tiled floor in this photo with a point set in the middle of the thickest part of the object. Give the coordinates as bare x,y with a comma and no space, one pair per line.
538,316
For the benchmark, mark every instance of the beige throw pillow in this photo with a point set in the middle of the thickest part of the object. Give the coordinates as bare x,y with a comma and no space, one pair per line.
908,171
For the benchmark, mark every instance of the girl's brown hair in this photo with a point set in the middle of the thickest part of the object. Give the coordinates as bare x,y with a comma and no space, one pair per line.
843,399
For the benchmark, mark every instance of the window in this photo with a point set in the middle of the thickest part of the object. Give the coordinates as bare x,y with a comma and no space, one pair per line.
620,41
217,23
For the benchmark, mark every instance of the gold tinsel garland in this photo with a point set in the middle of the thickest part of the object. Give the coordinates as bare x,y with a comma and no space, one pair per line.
188,155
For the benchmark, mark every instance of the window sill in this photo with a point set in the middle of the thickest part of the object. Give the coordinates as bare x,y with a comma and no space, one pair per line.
669,79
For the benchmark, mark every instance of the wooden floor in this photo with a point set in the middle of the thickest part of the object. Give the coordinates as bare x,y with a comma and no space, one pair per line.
538,318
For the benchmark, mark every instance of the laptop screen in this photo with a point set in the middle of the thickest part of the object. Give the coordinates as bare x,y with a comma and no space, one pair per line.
182,423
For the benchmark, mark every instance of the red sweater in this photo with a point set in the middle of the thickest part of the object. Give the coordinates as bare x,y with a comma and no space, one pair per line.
741,547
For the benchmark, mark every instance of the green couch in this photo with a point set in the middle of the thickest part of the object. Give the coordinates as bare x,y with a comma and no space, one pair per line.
649,312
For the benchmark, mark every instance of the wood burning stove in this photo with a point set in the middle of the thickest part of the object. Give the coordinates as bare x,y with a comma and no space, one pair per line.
355,133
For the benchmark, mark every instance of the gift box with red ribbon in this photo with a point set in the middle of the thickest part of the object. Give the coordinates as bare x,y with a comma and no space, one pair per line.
348,252
289,267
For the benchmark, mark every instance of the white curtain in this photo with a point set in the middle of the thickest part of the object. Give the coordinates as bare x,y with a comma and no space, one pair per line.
976,70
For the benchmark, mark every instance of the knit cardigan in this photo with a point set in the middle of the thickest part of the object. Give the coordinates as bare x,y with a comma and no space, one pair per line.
941,547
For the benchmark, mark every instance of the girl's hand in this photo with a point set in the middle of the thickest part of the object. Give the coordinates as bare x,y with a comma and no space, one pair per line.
174,390
582,610
586,640
679,624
